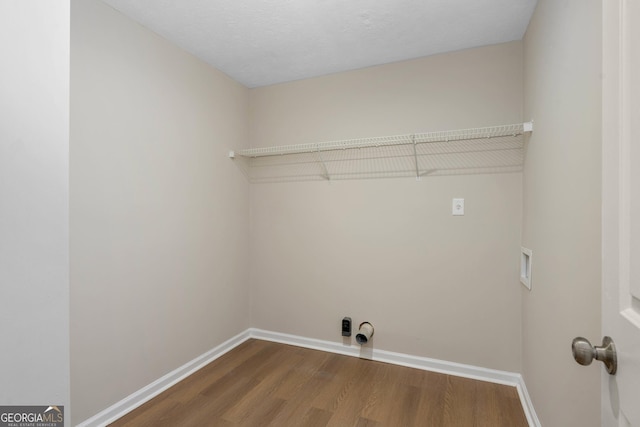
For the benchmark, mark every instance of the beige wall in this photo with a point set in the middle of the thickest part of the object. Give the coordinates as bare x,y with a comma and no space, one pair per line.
389,251
159,216
562,184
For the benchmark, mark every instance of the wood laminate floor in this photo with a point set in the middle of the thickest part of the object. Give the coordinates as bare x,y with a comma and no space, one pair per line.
261,383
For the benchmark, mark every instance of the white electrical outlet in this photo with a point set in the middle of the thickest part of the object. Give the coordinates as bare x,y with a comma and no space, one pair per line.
458,207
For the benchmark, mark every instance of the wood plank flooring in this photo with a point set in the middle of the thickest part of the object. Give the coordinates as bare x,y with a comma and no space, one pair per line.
261,383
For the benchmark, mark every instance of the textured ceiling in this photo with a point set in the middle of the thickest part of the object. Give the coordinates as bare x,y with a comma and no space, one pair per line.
262,42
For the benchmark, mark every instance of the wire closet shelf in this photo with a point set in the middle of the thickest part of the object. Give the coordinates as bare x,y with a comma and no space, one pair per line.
496,149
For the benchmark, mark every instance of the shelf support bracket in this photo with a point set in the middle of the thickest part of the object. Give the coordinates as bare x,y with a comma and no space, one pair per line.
415,157
324,165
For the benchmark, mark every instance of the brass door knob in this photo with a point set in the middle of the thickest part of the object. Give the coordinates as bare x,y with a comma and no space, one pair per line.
584,353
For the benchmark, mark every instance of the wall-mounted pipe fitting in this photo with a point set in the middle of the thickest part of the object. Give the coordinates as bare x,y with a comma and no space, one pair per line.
365,332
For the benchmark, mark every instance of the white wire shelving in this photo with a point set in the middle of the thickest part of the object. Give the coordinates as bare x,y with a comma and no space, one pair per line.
496,149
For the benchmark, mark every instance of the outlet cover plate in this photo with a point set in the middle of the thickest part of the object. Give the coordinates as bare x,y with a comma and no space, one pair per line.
458,207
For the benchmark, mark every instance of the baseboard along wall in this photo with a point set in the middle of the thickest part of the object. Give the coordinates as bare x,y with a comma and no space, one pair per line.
150,391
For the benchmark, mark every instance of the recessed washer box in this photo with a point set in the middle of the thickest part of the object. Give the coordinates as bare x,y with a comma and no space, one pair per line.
525,267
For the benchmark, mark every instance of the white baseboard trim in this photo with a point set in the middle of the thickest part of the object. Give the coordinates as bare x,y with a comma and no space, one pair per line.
148,392
527,404
424,363
136,399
